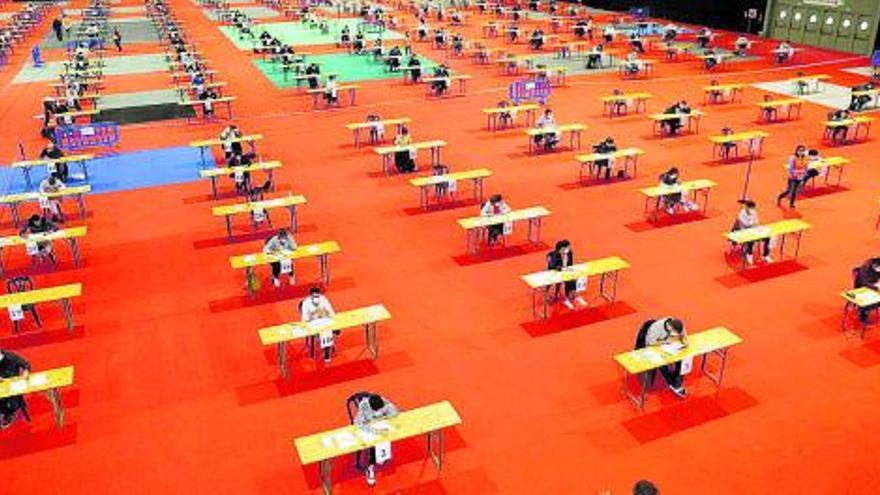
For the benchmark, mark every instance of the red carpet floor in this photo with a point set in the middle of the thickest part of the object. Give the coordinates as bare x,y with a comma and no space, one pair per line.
175,394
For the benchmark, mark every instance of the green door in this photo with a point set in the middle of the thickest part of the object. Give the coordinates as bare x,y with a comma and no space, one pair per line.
796,26
828,30
845,30
811,26
781,21
863,28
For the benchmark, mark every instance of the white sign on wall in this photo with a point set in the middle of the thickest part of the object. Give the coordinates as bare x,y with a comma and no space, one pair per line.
824,3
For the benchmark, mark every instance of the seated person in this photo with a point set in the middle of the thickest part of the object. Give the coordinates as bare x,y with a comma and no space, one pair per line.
635,42
748,218
661,332
580,29
377,130
241,178
441,83
608,33
673,125
605,147
727,147
314,307
513,33
313,73
377,49
784,52
441,188
53,152
867,276
331,94
281,243
715,95
620,105
422,30
537,39
672,202
741,46
505,118
372,409
208,96
344,36
404,160
858,102
670,32
594,58
358,44
561,259
632,65
393,59
494,207
550,137
457,44
704,38
770,113
12,366
415,71
440,38
839,133
230,136
39,224
712,59
51,207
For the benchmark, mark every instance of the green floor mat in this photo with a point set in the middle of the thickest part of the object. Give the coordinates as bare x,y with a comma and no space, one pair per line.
147,113
298,34
113,66
347,68
256,12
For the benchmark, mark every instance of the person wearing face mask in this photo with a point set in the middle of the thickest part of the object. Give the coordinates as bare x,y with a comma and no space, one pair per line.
604,147
867,276
748,218
280,244
562,258
797,174
314,307
661,332
494,207
672,178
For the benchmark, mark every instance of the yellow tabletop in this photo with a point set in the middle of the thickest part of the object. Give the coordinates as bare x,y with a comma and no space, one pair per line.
250,138
34,195
625,152
454,176
575,127
38,381
267,204
513,216
363,125
861,297
766,231
17,240
384,150
817,77
739,136
219,171
670,116
828,162
653,357
339,321
862,119
589,269
780,103
46,161
684,187
222,99
627,96
725,87
40,295
349,439
308,250
512,108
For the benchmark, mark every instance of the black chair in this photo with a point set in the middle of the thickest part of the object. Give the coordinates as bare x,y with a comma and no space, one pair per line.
23,284
641,343
351,407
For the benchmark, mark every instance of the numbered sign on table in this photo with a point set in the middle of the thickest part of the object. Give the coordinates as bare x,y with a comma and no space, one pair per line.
287,265
581,284
44,202
259,214
508,228
15,312
52,167
383,452
326,339
31,248
451,186
238,175
687,365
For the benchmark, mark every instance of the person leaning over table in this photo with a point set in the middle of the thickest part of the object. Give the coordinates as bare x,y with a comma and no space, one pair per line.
605,147
314,307
867,276
679,108
40,224
838,133
659,332
561,259
370,409
494,207
53,152
747,218
282,242
230,133
672,178
11,366
52,184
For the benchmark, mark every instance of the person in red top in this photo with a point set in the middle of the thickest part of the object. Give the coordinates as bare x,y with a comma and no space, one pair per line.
797,172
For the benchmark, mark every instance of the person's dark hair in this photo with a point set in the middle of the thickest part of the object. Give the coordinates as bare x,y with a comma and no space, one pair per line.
314,290
560,245
35,218
875,262
645,487
674,324
495,198
376,402
813,152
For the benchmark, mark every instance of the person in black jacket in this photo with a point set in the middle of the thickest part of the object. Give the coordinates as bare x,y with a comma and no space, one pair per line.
867,276
38,224
560,259
605,147
53,152
858,102
11,365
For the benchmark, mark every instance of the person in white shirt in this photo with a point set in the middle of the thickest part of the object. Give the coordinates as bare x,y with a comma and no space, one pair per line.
784,52
665,331
741,46
280,244
51,207
547,122
746,219
227,136
609,33
330,92
314,307
372,409
494,207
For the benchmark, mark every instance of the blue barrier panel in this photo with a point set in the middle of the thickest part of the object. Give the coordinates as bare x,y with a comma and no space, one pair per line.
80,137
530,90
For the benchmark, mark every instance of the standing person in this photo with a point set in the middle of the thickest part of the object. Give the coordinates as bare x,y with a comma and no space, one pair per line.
117,39
314,307
371,410
796,173
67,24
747,218
494,207
665,331
280,244
11,366
561,259
57,26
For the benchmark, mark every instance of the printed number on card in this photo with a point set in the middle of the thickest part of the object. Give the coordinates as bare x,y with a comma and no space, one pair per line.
383,452
326,339
15,312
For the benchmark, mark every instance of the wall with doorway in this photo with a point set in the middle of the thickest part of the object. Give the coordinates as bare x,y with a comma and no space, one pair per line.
845,25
